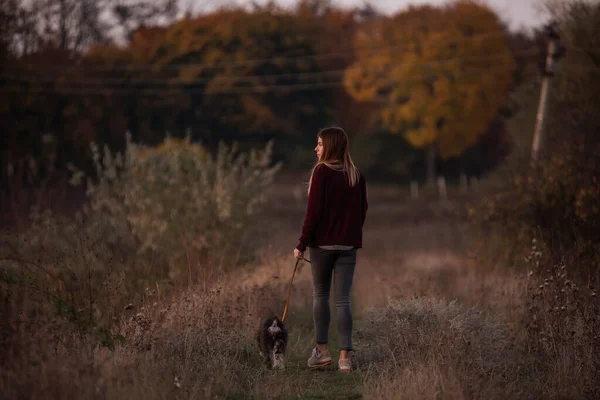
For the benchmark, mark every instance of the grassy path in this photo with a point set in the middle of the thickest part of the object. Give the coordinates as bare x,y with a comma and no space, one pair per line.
299,382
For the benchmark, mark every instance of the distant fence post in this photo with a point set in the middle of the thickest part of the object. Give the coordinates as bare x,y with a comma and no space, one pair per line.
463,183
441,183
414,189
474,184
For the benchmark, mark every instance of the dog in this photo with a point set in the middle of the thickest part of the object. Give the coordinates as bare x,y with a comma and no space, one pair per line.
272,340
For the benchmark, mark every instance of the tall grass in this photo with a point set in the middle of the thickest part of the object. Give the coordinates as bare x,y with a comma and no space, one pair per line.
96,306
427,348
437,326
157,220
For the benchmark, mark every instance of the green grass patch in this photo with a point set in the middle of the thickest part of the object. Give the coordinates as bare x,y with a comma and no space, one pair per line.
297,380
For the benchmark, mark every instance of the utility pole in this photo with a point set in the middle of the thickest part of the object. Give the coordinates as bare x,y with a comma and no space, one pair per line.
555,51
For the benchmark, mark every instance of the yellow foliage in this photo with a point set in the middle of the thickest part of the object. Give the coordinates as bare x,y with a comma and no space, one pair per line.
445,71
170,144
218,53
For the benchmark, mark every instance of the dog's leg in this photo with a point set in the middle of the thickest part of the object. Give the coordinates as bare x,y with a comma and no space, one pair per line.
282,361
279,361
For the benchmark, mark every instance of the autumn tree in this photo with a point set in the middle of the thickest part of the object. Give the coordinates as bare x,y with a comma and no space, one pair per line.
440,74
233,74
335,28
228,75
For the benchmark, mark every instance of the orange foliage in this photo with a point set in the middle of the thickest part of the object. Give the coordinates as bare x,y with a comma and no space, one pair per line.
441,73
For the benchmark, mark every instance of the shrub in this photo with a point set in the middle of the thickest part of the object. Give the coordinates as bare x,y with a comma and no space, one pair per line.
152,212
179,202
545,220
556,201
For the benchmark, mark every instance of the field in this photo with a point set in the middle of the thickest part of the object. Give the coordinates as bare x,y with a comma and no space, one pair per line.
432,320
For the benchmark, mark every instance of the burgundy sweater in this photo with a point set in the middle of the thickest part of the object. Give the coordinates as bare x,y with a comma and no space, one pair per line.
335,212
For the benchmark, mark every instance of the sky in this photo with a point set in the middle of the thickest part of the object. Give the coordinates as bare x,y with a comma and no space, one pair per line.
516,13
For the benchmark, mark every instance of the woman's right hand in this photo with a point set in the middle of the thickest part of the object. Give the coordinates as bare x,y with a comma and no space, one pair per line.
298,254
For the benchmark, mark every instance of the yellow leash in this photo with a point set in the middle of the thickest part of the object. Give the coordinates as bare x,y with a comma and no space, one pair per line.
287,302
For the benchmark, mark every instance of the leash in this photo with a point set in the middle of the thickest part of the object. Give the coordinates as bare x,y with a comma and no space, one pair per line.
287,302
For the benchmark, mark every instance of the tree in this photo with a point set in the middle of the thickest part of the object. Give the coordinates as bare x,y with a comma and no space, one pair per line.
528,51
557,199
335,29
577,79
7,18
18,31
47,89
232,74
75,25
132,15
441,75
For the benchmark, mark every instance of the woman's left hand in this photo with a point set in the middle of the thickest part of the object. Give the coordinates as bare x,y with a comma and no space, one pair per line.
298,254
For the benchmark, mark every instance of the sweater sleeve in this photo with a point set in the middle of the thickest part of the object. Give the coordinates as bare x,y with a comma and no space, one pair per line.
316,198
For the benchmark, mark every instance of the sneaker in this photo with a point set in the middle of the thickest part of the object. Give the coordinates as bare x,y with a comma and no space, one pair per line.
319,359
344,365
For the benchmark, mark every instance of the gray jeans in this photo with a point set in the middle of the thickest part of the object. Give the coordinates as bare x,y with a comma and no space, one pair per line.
339,265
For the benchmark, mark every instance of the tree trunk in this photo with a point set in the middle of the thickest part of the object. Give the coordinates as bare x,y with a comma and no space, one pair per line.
430,164
62,23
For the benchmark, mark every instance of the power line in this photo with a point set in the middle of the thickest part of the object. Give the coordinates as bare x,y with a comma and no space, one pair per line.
178,91
352,52
236,90
300,75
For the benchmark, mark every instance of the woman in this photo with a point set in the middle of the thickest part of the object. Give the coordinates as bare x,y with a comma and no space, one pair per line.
332,230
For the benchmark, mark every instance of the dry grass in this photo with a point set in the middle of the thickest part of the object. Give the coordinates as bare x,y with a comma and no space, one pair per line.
426,348
430,323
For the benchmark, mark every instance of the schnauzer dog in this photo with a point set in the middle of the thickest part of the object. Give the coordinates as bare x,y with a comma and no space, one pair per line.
272,340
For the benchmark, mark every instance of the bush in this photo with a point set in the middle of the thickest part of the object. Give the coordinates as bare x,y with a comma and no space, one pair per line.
545,220
179,202
556,201
160,215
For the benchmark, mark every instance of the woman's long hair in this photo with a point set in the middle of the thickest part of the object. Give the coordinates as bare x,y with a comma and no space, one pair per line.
336,154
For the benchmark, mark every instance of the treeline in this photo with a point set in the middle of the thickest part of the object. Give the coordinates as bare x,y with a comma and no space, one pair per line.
429,83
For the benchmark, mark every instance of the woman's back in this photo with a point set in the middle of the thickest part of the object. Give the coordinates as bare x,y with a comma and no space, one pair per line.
336,211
